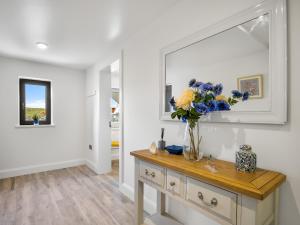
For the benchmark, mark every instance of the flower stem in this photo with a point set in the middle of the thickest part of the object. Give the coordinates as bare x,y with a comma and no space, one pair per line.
193,147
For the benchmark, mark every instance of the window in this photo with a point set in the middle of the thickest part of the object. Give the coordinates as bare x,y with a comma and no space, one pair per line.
35,99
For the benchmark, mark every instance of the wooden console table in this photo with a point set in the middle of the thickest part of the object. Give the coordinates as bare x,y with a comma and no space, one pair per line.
213,187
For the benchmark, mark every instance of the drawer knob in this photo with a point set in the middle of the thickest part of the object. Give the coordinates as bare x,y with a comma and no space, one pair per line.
146,172
153,174
172,183
200,195
213,202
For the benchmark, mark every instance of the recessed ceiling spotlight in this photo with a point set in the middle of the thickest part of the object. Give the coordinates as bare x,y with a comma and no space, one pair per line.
42,45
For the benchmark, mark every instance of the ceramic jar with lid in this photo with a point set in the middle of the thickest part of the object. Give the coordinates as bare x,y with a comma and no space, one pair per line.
245,159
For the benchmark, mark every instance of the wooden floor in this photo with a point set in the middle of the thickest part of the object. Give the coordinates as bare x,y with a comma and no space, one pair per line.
115,170
72,196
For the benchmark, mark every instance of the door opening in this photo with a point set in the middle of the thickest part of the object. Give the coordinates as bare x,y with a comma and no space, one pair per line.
110,121
115,118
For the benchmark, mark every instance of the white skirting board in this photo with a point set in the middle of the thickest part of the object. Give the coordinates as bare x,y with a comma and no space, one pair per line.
46,167
91,165
40,168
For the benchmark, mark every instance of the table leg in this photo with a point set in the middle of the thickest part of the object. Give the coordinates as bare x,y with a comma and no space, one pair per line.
276,222
138,197
161,203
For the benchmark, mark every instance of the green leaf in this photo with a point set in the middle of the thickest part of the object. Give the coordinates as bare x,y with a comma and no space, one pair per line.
173,115
193,111
232,101
181,112
197,99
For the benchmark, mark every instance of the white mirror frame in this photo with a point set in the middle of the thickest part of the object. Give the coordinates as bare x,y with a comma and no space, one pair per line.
277,65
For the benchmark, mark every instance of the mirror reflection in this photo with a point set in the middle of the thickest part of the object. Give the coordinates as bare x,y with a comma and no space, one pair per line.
238,58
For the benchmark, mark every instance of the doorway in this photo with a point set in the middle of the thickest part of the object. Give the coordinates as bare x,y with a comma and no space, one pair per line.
110,121
115,119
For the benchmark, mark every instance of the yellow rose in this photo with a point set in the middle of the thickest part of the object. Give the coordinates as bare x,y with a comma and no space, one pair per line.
185,100
221,97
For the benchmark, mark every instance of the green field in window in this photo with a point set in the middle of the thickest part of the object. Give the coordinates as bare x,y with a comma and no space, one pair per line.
29,112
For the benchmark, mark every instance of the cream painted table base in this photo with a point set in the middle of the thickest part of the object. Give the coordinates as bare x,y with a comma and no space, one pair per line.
218,202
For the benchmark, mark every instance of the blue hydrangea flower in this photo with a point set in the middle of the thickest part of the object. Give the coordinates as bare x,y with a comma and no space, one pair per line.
223,106
201,108
236,94
245,96
212,105
197,84
218,89
192,82
173,103
206,87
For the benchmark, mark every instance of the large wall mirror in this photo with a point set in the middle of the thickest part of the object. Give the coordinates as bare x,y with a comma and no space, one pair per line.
245,52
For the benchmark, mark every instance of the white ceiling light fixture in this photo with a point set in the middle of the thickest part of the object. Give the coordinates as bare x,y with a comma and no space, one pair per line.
41,45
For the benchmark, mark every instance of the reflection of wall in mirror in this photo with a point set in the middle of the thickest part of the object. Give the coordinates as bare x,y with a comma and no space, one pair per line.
222,58
180,71
252,84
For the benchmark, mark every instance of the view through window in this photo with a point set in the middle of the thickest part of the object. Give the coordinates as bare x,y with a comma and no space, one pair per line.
35,102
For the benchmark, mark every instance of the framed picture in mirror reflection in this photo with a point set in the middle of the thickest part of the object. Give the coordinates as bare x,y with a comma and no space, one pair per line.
253,84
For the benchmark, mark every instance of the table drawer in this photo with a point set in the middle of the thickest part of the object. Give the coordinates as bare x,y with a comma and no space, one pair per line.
213,199
153,173
176,183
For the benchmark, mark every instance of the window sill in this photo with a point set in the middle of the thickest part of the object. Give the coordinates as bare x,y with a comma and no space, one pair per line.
35,126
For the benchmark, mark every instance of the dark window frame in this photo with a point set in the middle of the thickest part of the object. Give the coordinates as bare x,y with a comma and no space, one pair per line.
22,97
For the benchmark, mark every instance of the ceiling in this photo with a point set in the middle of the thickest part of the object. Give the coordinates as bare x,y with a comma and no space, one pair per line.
78,32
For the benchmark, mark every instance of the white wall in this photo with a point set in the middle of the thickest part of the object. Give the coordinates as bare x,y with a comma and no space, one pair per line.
276,145
37,148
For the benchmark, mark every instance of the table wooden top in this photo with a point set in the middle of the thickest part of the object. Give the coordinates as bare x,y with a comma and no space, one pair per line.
218,172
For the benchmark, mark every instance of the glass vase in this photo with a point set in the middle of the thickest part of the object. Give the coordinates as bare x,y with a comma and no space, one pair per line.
191,142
